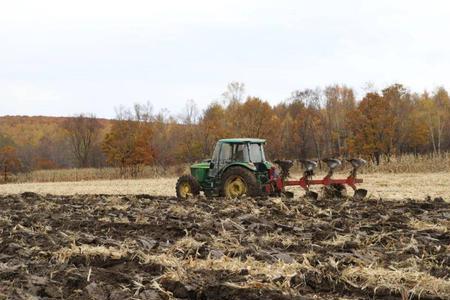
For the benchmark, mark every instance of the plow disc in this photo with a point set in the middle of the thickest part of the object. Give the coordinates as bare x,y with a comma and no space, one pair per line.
360,194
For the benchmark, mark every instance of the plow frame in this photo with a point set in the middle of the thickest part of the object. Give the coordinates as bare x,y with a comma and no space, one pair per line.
278,183
305,182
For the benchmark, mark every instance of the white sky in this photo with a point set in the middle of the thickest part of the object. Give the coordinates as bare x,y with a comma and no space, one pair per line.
65,57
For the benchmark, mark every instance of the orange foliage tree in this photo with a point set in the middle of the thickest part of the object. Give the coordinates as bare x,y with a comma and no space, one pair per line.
372,128
128,147
213,126
9,162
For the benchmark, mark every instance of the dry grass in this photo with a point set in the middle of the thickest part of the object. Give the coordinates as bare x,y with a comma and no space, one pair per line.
422,225
87,174
406,163
157,186
396,164
64,254
405,282
379,185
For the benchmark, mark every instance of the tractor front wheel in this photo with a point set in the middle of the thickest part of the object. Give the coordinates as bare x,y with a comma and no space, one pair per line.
187,186
238,181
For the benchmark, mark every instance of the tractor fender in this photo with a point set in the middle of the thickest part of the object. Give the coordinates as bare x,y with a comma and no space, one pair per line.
238,164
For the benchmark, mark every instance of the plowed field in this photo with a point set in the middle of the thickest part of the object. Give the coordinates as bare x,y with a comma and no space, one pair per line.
148,247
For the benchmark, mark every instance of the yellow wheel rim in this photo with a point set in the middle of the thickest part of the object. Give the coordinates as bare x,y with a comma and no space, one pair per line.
185,190
235,187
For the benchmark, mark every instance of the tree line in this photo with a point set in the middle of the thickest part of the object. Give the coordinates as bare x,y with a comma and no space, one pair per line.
310,123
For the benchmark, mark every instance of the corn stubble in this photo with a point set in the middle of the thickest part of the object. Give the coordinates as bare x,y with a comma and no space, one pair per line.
148,247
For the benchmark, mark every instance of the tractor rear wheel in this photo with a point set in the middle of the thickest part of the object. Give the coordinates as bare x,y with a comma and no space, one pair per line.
187,186
238,181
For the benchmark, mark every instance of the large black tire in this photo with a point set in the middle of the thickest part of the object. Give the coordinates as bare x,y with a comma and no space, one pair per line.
252,187
187,186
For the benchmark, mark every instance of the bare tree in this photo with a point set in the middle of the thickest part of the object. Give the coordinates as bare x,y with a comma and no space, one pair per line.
83,134
234,93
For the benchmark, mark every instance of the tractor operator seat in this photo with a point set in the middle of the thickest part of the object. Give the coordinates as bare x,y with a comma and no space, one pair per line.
239,155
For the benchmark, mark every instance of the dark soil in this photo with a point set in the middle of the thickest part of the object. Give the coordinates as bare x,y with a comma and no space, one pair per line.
166,248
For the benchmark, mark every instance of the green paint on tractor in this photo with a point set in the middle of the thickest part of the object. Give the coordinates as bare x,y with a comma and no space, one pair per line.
235,163
200,171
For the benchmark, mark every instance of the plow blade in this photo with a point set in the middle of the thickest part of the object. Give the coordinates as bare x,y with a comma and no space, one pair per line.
360,194
312,195
288,194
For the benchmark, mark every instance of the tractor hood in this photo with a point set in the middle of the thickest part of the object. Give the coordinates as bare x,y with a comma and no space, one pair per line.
201,165
200,171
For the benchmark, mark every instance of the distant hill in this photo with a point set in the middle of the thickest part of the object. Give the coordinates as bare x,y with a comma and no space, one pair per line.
29,130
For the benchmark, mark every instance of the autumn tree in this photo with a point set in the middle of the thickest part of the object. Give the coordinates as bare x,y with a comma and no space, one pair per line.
6,141
253,118
128,144
213,126
436,115
9,162
309,122
372,129
284,144
163,143
83,134
189,142
339,102
398,98
416,136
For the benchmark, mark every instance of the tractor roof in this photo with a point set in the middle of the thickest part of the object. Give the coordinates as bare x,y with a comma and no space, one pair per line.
242,140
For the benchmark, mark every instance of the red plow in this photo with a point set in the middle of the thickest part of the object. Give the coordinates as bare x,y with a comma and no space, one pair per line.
333,186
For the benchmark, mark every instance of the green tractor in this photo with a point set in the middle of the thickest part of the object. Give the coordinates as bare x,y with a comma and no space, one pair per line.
238,167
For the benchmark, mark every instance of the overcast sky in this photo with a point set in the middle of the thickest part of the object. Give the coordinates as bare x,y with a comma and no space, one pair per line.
66,57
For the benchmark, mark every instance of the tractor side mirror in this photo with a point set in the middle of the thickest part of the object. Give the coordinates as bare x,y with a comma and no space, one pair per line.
211,165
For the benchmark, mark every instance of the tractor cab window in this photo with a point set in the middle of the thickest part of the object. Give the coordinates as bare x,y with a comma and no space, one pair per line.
234,152
215,156
256,153
226,152
240,152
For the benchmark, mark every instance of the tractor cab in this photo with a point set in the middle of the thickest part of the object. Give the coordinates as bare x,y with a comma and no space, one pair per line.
248,153
240,160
